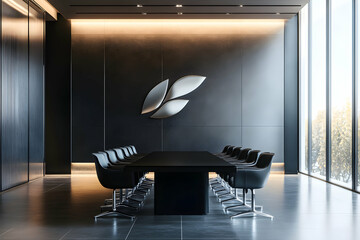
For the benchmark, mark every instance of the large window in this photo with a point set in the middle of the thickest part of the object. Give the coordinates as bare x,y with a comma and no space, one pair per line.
318,88
328,77
341,91
304,153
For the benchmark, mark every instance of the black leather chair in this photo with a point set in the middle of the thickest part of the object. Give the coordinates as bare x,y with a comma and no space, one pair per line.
250,160
223,151
251,178
113,178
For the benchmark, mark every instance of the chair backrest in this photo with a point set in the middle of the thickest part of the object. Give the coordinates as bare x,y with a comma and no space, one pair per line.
125,151
225,149
243,153
112,156
230,150
119,154
134,149
235,152
265,160
252,156
101,160
130,150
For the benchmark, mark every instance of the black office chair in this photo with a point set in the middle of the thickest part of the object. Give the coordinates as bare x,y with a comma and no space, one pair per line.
113,178
224,150
251,178
250,160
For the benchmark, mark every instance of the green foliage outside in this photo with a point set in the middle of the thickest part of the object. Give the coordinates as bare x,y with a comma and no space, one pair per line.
341,144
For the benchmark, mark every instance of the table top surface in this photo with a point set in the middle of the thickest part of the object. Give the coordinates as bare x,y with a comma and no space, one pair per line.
181,162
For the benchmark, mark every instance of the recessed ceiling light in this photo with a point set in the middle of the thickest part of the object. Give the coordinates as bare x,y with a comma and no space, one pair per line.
178,5
180,13
240,5
144,13
139,5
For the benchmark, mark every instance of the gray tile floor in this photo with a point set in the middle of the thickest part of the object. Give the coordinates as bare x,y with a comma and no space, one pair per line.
62,207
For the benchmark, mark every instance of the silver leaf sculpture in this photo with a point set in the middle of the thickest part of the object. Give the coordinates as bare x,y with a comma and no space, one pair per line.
155,97
170,108
184,86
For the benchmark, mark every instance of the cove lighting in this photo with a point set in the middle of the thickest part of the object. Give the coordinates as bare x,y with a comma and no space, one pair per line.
177,26
17,6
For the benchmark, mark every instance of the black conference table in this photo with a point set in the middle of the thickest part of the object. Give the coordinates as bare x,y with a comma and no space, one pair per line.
181,180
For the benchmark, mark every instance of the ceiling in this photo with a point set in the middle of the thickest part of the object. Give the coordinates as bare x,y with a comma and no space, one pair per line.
188,9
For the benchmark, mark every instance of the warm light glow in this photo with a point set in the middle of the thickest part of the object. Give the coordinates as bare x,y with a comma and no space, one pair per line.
177,26
139,5
17,6
178,5
45,5
180,13
241,6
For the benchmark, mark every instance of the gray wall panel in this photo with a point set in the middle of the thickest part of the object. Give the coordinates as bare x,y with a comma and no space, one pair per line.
133,67
57,96
269,139
245,80
14,127
36,93
87,96
291,96
263,81
200,138
217,102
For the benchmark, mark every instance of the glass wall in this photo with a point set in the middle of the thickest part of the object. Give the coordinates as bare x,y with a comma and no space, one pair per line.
304,153
357,59
318,87
327,102
341,91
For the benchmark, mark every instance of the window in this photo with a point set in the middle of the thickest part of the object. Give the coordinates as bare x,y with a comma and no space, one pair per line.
304,89
326,90
318,88
341,92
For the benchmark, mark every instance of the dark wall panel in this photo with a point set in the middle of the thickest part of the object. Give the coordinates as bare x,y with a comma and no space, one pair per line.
291,97
135,63
57,96
215,107
133,67
36,93
14,126
87,96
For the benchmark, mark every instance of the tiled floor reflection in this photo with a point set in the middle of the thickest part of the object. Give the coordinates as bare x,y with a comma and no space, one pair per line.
63,208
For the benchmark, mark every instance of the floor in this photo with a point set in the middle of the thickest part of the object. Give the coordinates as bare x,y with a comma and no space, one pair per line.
62,207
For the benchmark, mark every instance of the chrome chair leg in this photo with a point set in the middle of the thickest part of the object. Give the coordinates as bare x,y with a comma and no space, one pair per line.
114,210
252,211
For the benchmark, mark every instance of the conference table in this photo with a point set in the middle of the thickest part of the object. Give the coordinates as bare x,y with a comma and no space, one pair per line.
181,180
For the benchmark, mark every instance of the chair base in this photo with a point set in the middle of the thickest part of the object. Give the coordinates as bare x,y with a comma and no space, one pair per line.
253,208
252,213
107,213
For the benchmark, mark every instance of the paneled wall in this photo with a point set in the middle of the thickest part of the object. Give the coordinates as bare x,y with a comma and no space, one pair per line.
241,102
22,111
57,96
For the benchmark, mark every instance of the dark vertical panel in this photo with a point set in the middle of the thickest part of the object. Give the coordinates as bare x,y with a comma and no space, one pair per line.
133,67
87,96
291,138
36,93
212,118
57,96
263,93
14,127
